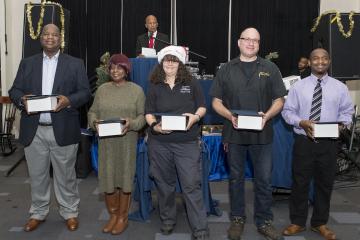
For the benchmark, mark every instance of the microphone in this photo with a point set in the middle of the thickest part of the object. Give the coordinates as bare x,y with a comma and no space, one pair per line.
150,35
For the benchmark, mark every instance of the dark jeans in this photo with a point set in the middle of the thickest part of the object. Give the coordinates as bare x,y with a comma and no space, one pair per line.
262,163
316,161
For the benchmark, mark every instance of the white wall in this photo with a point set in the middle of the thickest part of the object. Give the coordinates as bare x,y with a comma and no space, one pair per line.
14,28
339,5
2,43
345,6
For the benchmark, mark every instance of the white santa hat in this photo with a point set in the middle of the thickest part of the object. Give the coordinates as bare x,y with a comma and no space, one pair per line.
176,51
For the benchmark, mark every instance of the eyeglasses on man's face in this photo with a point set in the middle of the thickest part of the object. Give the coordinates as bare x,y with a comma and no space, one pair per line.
250,40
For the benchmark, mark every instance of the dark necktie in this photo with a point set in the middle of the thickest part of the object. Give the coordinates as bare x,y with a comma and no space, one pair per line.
316,103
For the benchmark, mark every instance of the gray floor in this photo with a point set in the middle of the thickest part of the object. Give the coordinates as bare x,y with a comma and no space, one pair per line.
15,201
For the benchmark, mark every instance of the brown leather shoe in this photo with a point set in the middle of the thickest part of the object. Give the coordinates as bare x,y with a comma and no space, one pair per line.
72,224
32,224
293,229
325,232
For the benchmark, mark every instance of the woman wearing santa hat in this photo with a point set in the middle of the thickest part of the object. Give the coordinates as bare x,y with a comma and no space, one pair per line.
176,154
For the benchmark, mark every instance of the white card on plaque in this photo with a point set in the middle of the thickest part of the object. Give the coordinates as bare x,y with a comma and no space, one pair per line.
173,123
148,52
41,103
250,120
108,128
326,130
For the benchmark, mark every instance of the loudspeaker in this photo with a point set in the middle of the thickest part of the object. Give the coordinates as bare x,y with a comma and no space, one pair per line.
51,15
344,52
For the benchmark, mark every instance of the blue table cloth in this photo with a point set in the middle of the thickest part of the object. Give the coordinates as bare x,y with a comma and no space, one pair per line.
141,69
211,116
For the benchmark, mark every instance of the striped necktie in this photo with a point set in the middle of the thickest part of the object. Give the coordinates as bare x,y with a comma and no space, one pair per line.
316,103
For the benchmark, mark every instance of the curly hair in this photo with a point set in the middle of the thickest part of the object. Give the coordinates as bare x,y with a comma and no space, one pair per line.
158,75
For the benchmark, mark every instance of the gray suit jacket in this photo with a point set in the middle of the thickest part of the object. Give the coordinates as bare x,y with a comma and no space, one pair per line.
70,80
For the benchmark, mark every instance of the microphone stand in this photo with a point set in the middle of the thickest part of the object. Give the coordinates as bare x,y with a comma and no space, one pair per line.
167,43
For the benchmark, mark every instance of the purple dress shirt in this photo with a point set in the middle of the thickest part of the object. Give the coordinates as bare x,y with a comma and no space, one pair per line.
336,105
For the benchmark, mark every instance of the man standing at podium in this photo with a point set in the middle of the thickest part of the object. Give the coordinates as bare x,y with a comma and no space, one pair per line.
249,82
51,137
151,39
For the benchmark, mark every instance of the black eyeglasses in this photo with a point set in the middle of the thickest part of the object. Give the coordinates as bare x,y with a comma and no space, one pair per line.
250,40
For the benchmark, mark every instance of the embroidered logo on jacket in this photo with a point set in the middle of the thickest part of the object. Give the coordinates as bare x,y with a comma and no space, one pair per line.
185,89
265,74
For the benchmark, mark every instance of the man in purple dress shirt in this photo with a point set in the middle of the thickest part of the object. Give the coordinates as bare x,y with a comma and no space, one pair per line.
314,159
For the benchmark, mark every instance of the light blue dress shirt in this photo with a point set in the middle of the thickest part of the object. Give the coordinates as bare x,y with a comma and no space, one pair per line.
48,76
336,103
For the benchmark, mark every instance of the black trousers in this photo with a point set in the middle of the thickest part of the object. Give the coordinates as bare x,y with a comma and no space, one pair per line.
169,161
317,161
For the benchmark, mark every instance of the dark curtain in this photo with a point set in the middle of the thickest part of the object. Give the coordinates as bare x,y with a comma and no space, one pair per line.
203,27
78,40
284,27
104,29
135,13
96,26
77,32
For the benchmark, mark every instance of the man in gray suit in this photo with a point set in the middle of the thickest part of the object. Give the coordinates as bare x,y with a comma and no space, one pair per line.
51,137
151,38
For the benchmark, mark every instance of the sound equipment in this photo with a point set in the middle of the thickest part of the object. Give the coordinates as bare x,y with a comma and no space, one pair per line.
344,52
342,163
51,15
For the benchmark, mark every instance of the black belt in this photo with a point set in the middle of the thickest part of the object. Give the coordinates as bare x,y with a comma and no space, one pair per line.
45,124
316,139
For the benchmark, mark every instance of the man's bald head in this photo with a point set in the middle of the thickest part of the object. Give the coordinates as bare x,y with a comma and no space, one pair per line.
151,23
250,32
249,44
50,26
